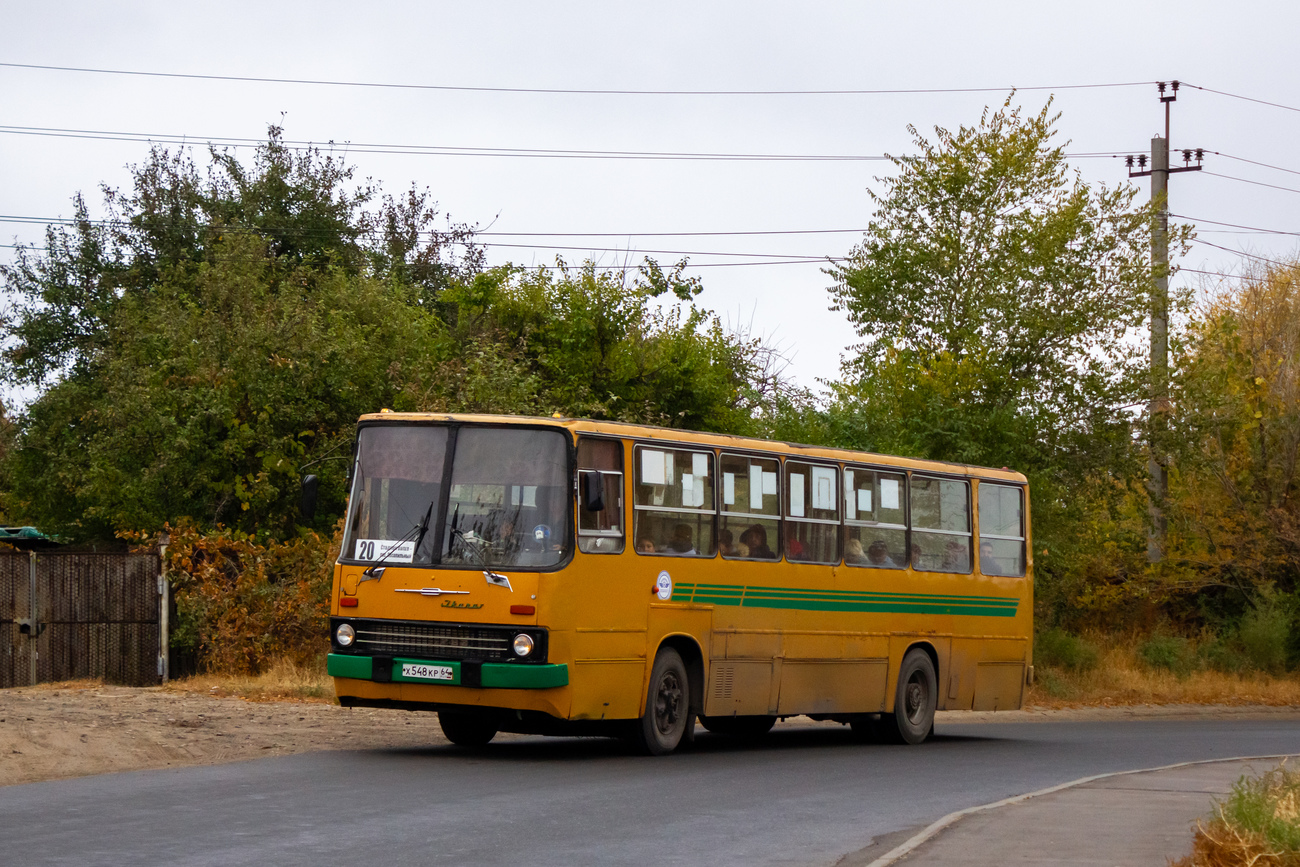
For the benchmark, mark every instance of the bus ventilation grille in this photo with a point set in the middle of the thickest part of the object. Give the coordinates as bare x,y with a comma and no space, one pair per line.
434,642
724,679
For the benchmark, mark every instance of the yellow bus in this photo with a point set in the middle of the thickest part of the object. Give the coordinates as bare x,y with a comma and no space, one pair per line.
566,576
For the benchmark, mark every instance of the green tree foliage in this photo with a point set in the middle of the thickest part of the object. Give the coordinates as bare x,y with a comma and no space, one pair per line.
218,335
1000,303
600,345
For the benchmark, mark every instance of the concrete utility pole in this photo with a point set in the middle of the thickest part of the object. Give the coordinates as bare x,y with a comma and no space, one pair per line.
1158,405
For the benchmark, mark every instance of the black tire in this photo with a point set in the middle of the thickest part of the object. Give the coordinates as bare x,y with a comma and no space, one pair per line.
915,700
669,720
467,729
747,727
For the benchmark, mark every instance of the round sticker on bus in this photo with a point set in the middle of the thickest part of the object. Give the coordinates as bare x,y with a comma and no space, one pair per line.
664,585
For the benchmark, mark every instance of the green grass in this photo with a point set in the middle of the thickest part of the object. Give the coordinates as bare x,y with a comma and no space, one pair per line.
1056,648
1267,806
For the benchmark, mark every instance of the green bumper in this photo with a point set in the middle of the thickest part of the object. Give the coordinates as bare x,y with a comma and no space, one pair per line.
493,675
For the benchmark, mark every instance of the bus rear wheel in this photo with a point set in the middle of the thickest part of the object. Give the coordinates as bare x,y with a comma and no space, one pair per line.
739,726
915,700
467,729
668,720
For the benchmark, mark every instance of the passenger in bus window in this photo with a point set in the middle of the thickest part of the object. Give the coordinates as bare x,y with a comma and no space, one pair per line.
989,564
878,555
726,544
682,542
955,558
645,546
756,538
794,549
853,552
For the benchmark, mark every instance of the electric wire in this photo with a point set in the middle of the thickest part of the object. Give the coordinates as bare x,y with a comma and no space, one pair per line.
1254,162
1243,253
1235,225
563,91
236,142
1256,183
1239,96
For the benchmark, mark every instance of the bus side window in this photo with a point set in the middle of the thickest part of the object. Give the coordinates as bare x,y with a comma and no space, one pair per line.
1002,530
812,515
600,496
751,508
940,525
672,504
875,527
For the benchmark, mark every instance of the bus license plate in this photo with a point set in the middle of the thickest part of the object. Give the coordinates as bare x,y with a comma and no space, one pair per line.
427,672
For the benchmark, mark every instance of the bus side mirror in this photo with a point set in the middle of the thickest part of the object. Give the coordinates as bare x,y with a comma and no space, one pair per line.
593,492
307,504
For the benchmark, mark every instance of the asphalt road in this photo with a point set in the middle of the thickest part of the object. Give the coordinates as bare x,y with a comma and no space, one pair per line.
806,796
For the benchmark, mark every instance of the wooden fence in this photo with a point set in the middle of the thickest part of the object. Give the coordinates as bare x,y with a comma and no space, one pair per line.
67,616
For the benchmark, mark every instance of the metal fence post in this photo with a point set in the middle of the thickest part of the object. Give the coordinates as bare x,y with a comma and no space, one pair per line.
164,609
33,612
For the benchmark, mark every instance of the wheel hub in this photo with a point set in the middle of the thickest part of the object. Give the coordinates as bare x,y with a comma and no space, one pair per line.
668,703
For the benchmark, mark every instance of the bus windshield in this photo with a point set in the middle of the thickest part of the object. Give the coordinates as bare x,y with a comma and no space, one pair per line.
507,504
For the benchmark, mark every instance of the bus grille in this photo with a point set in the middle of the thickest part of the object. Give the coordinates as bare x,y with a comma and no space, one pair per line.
433,642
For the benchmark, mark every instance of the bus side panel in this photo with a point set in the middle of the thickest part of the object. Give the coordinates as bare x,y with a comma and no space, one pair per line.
739,687
999,685
832,686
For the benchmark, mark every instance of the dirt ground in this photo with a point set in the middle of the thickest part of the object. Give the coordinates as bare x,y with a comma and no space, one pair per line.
49,732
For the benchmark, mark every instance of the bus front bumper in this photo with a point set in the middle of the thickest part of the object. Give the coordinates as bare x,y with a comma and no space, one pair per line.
488,675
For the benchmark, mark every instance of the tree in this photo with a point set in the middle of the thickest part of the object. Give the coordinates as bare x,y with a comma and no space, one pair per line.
599,346
1001,303
1235,491
218,336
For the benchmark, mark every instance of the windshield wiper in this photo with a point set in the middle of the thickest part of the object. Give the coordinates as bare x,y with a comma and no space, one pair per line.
376,571
466,543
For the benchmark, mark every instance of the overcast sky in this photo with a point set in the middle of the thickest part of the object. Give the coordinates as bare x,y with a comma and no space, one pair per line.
1247,49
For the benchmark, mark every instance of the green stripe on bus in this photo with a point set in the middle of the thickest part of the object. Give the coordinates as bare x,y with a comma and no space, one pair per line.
845,600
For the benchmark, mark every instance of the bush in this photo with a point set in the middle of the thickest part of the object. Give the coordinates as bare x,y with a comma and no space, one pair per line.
1170,652
1059,649
1265,632
242,605
1222,654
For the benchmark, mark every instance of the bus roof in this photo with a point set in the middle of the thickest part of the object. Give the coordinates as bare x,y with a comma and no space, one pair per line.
720,440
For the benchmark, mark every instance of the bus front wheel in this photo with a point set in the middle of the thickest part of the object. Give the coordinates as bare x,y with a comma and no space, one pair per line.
668,719
467,729
914,701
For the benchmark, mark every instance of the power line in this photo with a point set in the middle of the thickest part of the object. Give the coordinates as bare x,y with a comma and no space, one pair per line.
1256,183
1209,273
562,91
1254,162
1239,96
1243,253
431,150
11,218
458,150
1236,225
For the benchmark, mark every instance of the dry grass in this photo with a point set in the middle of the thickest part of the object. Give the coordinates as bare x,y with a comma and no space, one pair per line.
1258,825
1120,677
283,680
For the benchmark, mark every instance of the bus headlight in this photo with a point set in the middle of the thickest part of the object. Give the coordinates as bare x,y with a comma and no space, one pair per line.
345,635
523,644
